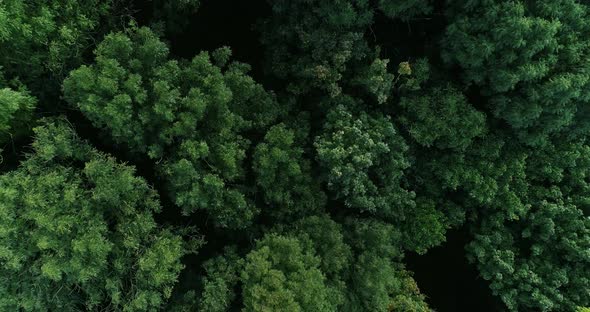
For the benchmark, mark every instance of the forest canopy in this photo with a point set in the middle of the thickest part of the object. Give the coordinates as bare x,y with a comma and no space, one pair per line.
289,155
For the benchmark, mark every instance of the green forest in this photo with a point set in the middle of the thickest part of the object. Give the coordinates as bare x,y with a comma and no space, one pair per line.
294,155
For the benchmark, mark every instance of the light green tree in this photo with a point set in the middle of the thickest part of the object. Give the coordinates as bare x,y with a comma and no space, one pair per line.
188,116
16,112
363,159
41,41
78,232
281,275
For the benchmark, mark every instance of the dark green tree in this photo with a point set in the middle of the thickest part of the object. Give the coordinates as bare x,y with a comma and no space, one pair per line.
310,44
528,58
441,118
222,274
539,261
533,248
361,262
315,264
363,159
325,46
405,9
392,122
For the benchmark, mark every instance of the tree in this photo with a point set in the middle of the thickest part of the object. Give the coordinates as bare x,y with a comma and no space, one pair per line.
537,259
222,273
441,117
528,58
40,41
526,211
16,112
311,43
378,282
363,158
360,259
322,47
389,123
78,231
182,114
281,275
314,264
284,174
441,128
325,236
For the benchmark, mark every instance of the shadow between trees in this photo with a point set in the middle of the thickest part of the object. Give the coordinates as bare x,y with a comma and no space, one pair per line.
449,281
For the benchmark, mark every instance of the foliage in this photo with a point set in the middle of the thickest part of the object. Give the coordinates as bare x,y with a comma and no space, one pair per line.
78,231
40,41
535,256
182,114
280,275
441,117
389,124
376,80
221,276
16,113
529,58
405,9
284,175
316,264
363,158
539,261
312,48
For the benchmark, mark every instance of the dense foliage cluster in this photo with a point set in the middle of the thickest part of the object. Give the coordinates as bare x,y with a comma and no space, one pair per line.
40,41
16,112
529,58
78,230
185,115
363,131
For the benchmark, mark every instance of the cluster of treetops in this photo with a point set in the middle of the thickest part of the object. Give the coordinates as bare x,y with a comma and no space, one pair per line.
141,181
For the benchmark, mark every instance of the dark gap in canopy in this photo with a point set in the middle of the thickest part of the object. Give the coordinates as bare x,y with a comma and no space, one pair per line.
449,281
220,23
